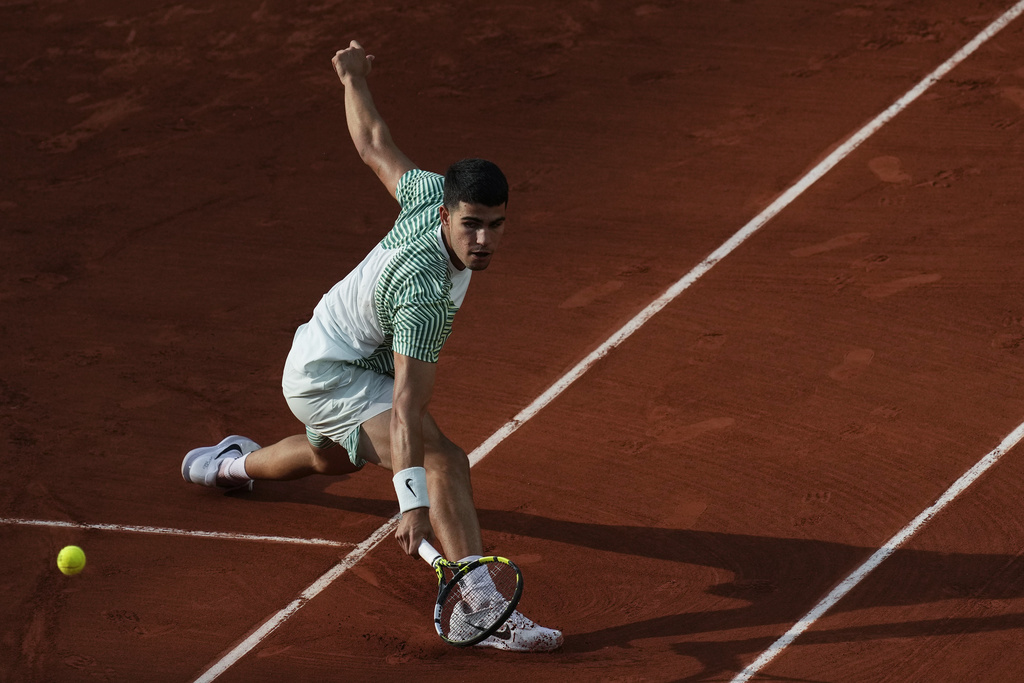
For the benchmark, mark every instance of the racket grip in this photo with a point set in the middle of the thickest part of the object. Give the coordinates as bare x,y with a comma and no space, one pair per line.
428,553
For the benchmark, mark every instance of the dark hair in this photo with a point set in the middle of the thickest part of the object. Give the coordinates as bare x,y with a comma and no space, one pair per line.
474,181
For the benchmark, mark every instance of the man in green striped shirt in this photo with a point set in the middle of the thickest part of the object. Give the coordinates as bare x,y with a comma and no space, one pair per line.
361,371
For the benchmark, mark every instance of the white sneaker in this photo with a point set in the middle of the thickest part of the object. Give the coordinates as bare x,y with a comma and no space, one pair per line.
519,634
201,465
462,625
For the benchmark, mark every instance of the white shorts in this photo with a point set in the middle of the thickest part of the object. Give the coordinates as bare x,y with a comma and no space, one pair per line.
333,399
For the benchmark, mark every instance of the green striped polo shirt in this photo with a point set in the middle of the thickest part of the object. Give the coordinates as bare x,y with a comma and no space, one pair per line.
402,298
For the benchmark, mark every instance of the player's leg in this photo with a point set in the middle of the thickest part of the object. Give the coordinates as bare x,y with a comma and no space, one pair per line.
332,403
236,461
295,457
452,512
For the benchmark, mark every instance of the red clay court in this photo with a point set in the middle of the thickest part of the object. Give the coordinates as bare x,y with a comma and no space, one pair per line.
178,189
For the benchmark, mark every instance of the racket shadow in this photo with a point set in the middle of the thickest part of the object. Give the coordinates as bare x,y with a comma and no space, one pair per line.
777,580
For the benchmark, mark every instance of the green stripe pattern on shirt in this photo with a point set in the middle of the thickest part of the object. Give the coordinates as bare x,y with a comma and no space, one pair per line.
412,297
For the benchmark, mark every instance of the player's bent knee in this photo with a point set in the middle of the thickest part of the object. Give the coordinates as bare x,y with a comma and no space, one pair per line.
450,460
333,460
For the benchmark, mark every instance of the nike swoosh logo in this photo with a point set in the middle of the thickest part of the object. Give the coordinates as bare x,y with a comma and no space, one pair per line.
232,447
408,485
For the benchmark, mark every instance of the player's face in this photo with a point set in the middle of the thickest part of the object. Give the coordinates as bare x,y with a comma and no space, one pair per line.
472,233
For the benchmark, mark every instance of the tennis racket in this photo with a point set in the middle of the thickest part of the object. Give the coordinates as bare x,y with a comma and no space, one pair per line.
476,600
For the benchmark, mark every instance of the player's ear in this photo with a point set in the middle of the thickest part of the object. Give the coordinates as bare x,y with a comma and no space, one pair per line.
445,216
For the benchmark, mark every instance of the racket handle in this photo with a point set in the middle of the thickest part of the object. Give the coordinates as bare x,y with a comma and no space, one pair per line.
428,553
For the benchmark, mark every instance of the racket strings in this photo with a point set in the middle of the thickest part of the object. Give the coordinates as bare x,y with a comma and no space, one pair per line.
478,601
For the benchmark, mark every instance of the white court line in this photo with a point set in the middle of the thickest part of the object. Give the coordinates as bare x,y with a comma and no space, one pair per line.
784,200
972,474
173,532
268,626
881,555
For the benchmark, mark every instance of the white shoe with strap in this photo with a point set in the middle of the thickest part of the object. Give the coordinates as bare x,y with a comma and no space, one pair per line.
201,465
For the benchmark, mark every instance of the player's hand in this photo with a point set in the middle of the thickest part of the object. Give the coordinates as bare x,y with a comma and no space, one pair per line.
413,528
352,62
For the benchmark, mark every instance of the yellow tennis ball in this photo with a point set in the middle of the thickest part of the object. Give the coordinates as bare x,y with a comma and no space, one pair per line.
71,560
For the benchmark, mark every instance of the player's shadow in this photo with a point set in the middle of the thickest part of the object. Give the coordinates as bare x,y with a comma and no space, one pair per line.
312,492
777,581
726,656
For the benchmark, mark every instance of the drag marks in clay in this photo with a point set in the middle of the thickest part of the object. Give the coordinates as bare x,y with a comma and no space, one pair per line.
734,129
889,169
865,263
886,412
947,178
856,430
711,341
912,31
869,262
88,665
104,114
588,295
841,281
854,364
846,240
889,288
669,433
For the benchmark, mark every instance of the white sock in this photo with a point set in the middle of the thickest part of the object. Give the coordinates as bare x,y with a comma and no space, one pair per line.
478,583
232,471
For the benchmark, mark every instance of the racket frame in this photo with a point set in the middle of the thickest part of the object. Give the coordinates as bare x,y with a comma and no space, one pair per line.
459,570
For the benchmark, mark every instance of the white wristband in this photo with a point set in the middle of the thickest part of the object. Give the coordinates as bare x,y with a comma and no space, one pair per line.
411,487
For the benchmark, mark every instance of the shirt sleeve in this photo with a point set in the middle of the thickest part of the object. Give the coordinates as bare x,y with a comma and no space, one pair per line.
422,327
418,189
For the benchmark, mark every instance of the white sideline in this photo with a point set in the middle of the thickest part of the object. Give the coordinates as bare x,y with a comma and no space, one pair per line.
173,532
271,624
971,475
784,200
881,555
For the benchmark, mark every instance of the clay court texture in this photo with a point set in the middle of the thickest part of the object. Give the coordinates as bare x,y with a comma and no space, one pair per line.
722,384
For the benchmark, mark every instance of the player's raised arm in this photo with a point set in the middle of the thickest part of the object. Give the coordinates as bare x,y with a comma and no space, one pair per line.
369,132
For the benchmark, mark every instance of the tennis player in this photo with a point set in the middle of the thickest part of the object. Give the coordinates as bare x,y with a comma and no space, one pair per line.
361,372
